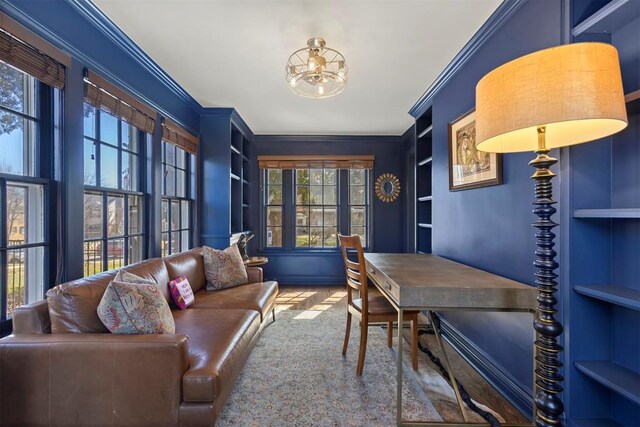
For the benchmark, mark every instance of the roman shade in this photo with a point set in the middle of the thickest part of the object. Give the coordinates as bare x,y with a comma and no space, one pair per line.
27,52
108,97
176,135
316,162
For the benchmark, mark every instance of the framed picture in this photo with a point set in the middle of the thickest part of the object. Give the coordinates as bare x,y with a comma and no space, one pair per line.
469,167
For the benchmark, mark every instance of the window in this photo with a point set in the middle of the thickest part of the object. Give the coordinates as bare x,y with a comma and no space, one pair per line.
358,203
308,208
274,207
23,243
114,233
176,199
316,208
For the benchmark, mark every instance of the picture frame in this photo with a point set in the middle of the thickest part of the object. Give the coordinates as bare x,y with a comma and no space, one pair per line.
468,167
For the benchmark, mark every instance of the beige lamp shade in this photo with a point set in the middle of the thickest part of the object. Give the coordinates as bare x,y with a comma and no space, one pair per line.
574,91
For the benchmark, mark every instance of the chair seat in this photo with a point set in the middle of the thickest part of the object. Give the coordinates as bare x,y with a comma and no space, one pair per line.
379,306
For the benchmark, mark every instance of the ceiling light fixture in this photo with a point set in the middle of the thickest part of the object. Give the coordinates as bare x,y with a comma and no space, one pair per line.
316,71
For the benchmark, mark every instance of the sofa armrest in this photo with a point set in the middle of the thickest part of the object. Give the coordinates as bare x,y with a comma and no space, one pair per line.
32,318
92,378
255,274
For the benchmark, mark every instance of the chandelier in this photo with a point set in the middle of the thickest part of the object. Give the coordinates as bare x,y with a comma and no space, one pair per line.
316,71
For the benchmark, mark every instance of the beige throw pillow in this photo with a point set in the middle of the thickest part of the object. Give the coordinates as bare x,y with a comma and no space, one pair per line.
223,269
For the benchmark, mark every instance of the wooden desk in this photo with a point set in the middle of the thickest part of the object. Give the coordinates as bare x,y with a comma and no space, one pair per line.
429,282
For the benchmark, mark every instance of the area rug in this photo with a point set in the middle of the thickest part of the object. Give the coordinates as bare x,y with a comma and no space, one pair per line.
297,376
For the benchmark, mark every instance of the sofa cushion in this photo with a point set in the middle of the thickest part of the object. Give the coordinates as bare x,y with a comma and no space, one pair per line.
219,341
223,269
135,306
73,305
189,264
253,296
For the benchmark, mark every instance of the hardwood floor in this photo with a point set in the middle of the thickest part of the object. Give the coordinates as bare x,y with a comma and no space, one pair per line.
308,297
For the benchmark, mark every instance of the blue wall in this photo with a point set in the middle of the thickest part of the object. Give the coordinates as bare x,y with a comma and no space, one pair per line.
310,267
490,228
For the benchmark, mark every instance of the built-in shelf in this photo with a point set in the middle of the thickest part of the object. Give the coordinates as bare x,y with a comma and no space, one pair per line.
614,377
594,422
618,295
632,96
234,176
235,150
423,225
613,15
607,213
425,161
425,198
425,132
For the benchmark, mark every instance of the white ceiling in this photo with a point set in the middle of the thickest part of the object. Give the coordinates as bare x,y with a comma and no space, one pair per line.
232,53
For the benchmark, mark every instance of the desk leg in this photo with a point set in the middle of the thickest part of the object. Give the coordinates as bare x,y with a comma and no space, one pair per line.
399,367
452,378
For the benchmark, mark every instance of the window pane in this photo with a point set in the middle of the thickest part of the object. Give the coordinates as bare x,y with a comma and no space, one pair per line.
170,181
175,215
356,176
274,176
25,277
25,213
165,244
316,238
302,237
274,236
165,215
92,258
302,195
330,195
18,90
89,121
92,216
108,128
302,216
180,184
115,253
274,216
185,214
184,244
329,176
302,176
180,158
315,194
135,214
129,171
108,166
115,216
17,152
316,217
89,162
316,176
129,137
275,195
331,216
358,216
175,242
330,237
170,153
135,249
357,195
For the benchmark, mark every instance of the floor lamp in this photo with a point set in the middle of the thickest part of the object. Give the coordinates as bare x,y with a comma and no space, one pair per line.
551,98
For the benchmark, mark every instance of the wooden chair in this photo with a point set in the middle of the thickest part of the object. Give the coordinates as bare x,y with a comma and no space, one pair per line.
370,309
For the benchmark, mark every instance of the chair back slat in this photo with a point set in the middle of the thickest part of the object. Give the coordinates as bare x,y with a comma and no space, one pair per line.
356,271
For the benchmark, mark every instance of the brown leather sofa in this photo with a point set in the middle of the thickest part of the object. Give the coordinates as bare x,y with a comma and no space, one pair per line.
61,366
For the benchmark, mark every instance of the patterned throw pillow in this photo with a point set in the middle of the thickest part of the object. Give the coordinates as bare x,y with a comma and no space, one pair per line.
181,292
223,269
133,305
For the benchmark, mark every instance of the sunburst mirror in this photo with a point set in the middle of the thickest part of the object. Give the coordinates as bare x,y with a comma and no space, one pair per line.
387,187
